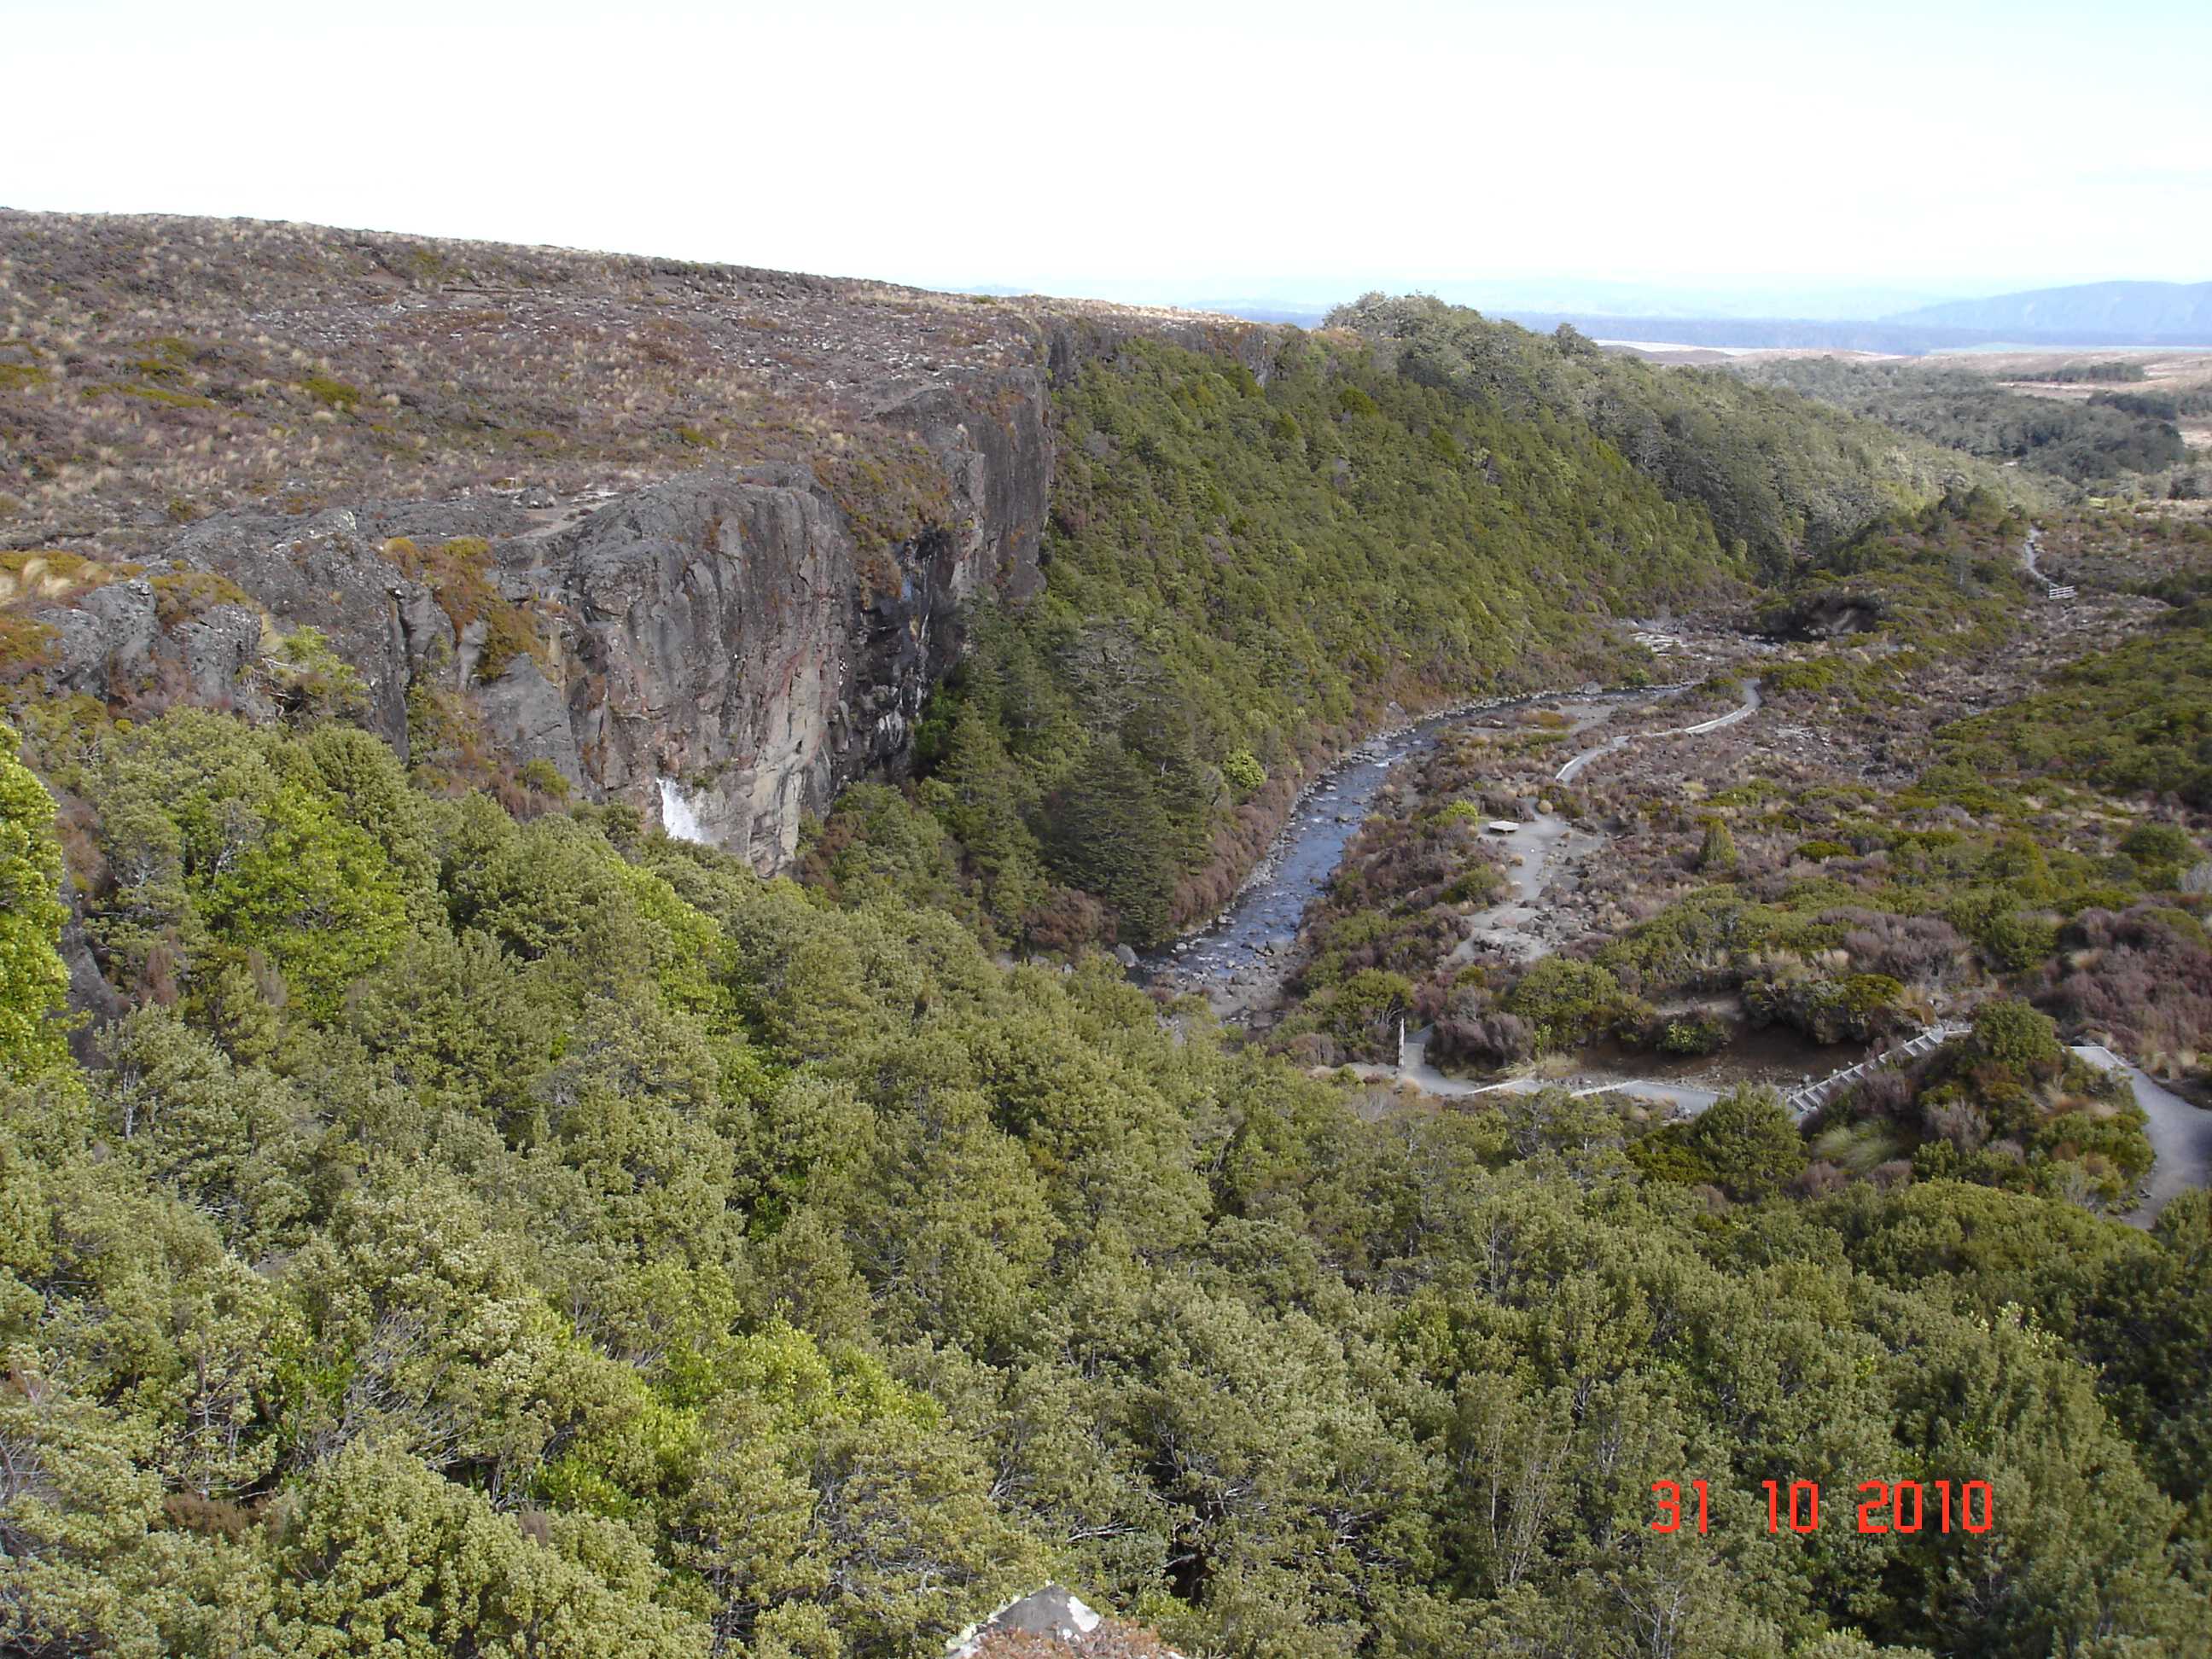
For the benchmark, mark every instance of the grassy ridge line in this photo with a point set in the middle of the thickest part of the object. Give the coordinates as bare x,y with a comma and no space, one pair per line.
1783,475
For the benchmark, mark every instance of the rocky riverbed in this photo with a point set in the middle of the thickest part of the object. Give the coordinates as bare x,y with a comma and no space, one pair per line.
1242,959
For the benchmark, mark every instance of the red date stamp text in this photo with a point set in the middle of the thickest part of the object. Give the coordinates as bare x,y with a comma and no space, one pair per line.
1884,1506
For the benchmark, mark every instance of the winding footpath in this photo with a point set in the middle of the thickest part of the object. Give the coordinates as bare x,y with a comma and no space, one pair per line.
1416,1070
1546,838
1574,767
1544,843
2180,1134
1265,917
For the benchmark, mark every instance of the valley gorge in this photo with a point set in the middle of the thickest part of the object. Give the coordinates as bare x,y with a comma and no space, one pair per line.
699,962
759,632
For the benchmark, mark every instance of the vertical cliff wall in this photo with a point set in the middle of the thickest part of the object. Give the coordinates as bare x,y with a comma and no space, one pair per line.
685,533
732,634
736,632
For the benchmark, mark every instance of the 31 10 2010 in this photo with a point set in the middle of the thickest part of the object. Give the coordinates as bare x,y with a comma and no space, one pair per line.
1882,1506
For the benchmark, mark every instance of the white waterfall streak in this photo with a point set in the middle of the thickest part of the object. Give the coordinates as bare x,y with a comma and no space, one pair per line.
676,816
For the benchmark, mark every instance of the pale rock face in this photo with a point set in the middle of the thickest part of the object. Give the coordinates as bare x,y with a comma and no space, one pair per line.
1055,1619
112,638
1053,1612
711,624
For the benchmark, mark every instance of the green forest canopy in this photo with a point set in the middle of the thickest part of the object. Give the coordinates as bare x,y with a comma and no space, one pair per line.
1418,505
640,1257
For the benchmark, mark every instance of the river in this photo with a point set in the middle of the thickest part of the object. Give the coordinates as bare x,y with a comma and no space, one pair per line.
1238,961
1247,944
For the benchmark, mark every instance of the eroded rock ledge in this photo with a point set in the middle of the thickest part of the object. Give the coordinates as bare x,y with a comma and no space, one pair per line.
626,520
729,629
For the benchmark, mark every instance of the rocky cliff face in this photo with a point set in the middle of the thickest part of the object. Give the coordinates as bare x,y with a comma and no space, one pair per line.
729,633
693,536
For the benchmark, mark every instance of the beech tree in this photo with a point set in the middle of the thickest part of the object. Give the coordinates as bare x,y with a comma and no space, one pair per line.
33,984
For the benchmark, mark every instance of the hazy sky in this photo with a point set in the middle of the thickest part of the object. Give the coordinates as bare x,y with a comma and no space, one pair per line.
1203,148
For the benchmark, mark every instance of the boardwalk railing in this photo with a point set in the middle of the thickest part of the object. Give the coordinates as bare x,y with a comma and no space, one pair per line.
1809,1099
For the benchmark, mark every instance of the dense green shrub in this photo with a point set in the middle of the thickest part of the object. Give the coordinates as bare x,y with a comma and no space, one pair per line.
1716,853
2012,1034
1564,1001
32,982
1748,1141
1692,1033
632,1256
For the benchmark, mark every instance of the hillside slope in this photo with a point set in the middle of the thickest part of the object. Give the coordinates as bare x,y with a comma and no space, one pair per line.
701,540
497,1236
227,447
1418,506
2104,439
441,1215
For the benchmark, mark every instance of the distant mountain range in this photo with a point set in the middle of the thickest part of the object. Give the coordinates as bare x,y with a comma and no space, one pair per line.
1307,299
2090,314
1805,333
2165,311
2097,314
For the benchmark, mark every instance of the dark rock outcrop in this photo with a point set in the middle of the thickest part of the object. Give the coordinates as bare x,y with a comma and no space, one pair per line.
725,634
1825,614
731,631
476,472
1051,1622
